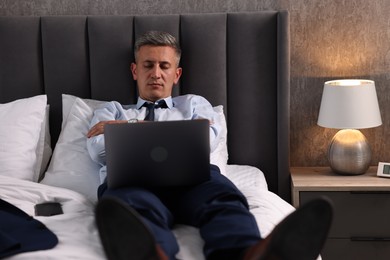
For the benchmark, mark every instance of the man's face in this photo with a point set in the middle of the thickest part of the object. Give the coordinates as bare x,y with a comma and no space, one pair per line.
156,72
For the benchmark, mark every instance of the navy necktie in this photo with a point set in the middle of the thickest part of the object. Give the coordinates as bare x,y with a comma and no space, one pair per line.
151,107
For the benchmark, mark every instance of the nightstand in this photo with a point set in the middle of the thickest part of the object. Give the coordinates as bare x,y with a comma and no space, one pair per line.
361,223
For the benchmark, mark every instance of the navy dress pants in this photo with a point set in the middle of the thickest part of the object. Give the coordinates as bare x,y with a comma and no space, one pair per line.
216,207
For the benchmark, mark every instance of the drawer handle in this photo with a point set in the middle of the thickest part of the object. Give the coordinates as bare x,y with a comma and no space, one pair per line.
370,192
371,239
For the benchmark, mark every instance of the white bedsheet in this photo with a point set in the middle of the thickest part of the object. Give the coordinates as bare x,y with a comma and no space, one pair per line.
75,229
77,233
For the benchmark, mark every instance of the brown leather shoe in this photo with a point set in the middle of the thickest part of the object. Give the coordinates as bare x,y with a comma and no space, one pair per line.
301,235
123,234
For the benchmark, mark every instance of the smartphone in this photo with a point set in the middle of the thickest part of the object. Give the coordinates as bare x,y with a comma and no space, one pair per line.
48,209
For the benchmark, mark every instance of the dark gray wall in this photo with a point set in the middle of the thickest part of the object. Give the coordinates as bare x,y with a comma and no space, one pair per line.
329,40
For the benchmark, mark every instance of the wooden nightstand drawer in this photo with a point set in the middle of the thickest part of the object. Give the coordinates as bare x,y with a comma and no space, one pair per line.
358,215
360,228
346,249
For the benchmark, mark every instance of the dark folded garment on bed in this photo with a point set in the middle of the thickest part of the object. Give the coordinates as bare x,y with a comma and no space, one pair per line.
20,232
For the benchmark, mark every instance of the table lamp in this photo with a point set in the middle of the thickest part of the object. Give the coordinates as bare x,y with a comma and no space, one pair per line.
349,105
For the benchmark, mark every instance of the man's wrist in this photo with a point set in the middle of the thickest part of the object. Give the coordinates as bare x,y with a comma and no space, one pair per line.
132,120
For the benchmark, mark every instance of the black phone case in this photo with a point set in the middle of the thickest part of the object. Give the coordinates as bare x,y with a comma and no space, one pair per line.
48,209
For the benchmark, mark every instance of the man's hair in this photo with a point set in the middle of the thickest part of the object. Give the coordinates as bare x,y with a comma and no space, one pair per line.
157,38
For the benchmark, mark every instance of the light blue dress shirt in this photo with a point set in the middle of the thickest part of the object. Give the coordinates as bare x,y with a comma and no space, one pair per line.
186,107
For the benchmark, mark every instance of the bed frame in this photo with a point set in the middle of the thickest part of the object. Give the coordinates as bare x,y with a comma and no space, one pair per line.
238,60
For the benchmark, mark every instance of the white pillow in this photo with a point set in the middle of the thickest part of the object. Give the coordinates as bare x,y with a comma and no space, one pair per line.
71,166
219,156
21,122
43,150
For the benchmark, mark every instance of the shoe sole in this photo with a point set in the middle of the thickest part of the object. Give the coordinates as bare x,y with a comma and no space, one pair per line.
123,234
302,234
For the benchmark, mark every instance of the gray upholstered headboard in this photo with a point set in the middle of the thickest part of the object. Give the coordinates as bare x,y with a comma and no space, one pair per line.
239,60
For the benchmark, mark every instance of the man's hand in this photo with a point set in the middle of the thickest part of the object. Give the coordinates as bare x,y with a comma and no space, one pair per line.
99,127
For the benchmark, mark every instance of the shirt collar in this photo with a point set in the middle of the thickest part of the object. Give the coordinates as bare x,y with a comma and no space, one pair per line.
168,101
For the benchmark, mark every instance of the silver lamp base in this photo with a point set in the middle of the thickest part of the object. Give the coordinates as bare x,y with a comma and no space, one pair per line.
349,153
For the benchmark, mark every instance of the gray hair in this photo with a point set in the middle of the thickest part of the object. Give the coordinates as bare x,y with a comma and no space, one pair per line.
157,38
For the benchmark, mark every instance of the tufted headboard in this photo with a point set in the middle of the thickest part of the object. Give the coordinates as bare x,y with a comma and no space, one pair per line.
238,60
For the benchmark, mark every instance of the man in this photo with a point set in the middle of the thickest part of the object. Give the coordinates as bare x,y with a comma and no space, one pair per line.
136,222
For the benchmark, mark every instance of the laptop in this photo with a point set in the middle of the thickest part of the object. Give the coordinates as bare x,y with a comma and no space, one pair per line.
157,154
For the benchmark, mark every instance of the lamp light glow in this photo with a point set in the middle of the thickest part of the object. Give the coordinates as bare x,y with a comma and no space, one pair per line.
349,82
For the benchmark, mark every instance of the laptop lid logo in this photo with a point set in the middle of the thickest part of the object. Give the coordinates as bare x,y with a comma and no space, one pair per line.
159,154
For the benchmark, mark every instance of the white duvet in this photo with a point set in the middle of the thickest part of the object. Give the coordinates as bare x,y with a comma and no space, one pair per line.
77,233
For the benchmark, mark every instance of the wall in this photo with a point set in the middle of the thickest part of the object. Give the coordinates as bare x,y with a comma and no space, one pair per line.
329,40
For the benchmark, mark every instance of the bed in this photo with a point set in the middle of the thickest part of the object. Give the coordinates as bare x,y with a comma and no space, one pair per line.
55,70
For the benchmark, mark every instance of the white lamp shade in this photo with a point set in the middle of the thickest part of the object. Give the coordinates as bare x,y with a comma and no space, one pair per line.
349,104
